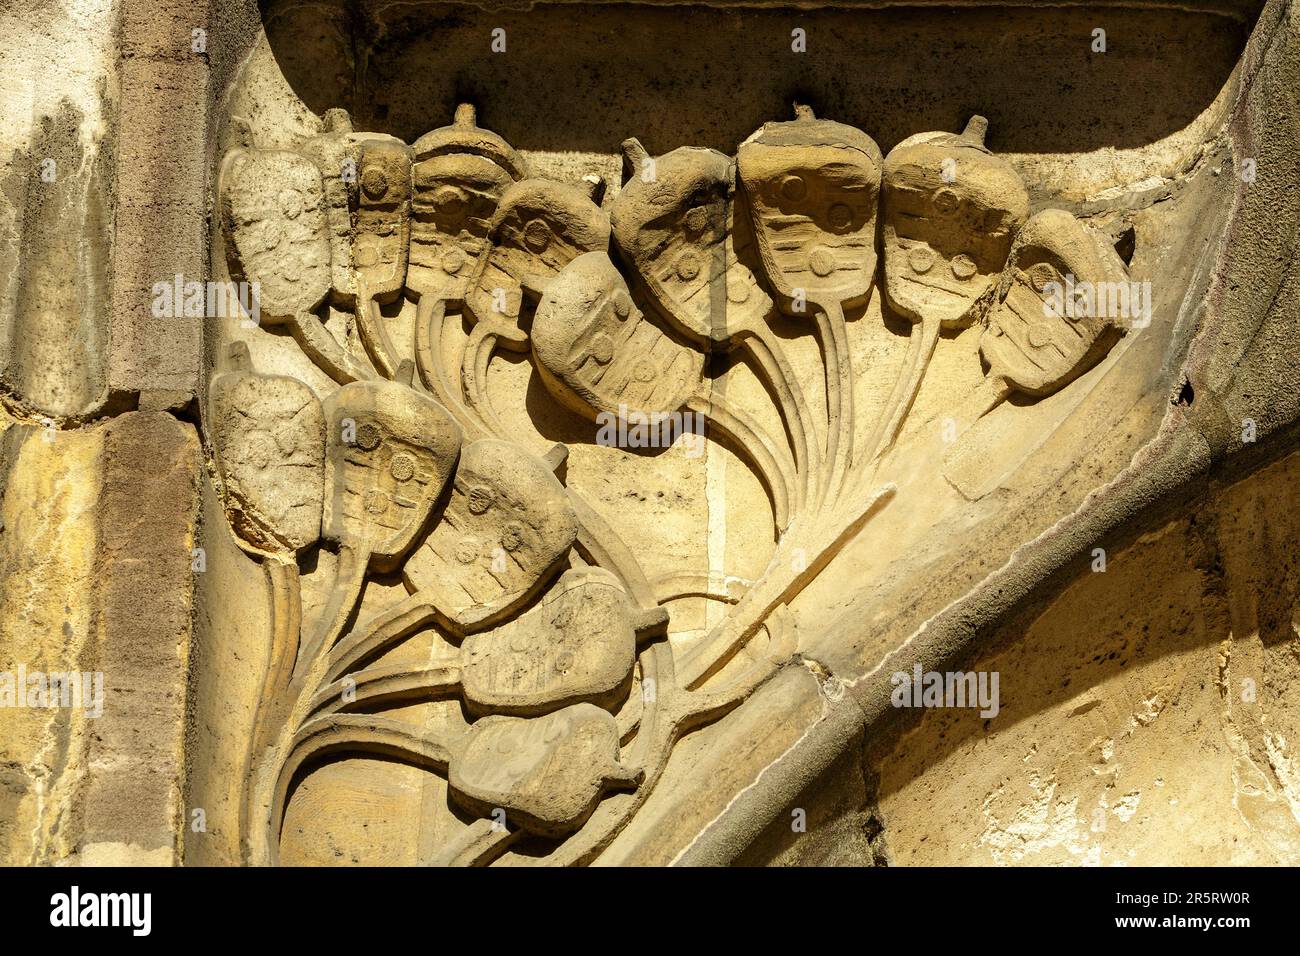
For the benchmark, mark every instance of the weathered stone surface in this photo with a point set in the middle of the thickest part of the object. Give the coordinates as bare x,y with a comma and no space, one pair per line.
463,620
546,774
97,576
504,530
268,436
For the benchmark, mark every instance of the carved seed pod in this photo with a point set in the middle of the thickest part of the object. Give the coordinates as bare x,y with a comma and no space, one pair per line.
673,228
381,215
951,210
596,352
465,137
506,527
390,451
268,440
273,220
1054,318
334,153
459,175
812,187
540,227
547,773
578,645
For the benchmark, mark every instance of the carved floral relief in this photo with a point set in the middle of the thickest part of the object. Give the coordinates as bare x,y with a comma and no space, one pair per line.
555,641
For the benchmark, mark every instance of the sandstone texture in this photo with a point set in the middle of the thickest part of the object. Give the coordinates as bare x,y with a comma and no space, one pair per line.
649,434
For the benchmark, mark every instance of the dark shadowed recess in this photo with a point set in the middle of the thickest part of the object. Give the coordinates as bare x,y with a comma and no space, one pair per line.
585,76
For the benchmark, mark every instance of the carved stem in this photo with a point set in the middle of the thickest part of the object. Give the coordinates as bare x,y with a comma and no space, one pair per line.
752,440
607,549
286,624
380,632
430,319
792,406
349,578
370,324
839,397
322,348
474,369
477,845
383,684
920,349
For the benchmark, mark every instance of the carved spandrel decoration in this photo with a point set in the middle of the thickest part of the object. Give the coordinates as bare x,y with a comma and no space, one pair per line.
541,621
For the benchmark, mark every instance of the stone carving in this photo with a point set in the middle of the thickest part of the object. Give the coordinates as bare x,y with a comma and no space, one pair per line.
1037,340
597,353
334,153
543,623
813,187
268,436
951,211
381,223
459,175
1054,318
577,646
273,221
547,774
505,529
539,227
690,244
389,453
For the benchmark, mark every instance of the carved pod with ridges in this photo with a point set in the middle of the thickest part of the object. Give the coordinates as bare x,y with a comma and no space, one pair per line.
390,452
272,206
540,226
459,175
813,190
578,645
673,229
272,212
596,352
334,153
381,215
505,529
547,773
951,210
813,187
1037,340
268,441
